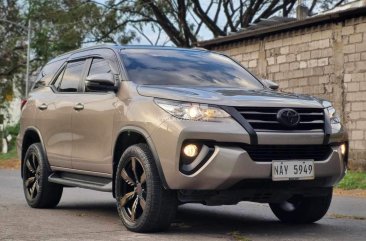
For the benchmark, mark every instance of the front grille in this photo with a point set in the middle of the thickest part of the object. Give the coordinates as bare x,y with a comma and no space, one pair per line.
264,119
268,153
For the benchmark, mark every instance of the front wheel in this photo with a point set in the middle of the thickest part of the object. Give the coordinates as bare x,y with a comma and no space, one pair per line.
299,209
142,202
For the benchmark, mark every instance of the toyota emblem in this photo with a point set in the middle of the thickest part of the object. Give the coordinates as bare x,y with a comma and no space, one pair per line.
288,117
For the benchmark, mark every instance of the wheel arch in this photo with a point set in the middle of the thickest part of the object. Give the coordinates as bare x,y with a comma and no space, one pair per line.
31,135
129,136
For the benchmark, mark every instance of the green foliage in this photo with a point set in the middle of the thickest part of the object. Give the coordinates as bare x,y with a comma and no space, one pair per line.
61,26
12,130
12,47
353,180
57,27
12,154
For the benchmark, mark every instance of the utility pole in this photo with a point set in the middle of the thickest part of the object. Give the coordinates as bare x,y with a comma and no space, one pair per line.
28,58
302,11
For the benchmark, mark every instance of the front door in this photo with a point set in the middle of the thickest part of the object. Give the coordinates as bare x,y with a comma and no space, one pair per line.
92,125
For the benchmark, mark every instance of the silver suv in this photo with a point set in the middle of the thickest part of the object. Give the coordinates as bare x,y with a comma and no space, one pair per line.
158,127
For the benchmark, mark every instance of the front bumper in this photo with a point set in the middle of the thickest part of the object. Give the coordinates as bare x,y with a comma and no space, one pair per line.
229,165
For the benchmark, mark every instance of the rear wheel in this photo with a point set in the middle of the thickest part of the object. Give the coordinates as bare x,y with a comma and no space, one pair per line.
299,209
38,192
143,203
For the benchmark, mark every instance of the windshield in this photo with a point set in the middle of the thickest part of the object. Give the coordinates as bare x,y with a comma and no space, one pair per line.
185,67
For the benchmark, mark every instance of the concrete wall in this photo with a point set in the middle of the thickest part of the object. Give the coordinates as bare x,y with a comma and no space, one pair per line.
327,61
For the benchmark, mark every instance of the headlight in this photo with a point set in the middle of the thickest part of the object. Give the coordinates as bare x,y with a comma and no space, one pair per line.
191,111
334,117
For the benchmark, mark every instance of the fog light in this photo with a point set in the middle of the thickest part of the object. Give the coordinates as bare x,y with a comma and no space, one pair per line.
190,150
343,149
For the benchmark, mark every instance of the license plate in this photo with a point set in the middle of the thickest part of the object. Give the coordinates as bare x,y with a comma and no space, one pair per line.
292,170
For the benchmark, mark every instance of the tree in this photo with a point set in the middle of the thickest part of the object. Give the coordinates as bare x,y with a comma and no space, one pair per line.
57,27
61,26
183,21
12,48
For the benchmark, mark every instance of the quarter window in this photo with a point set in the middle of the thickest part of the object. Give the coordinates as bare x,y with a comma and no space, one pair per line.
71,76
58,80
47,73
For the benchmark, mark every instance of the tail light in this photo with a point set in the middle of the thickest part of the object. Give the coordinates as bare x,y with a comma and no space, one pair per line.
22,103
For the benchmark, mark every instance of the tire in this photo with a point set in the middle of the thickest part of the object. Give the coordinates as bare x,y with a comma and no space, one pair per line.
142,202
38,192
302,210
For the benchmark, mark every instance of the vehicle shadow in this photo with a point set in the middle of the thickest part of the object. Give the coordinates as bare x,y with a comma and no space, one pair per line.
207,220
216,221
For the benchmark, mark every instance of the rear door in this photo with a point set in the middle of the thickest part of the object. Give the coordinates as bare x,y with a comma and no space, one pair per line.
92,122
55,111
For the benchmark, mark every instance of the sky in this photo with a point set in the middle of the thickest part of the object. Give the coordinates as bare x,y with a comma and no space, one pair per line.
204,33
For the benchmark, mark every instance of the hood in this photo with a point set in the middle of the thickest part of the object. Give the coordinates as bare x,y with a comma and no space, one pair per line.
230,96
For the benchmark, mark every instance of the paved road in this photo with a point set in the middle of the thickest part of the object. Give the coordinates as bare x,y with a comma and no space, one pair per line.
90,215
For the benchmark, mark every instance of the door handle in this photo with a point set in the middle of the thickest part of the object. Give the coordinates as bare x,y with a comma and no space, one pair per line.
44,106
79,106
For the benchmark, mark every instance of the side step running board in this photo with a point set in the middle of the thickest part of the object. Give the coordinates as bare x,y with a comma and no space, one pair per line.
83,181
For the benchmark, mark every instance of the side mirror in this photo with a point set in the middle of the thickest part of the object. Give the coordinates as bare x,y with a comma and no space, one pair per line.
270,84
101,82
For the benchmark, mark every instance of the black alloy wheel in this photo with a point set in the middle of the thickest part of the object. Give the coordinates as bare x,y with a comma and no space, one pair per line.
143,203
134,190
32,175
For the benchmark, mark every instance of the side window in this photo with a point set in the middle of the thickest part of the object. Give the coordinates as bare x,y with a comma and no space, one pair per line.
99,66
71,76
47,73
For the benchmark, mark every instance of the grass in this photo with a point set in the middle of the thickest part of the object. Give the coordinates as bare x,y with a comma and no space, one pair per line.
12,154
353,180
9,160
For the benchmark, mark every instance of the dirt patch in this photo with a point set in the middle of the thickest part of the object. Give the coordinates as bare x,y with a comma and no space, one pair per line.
334,215
10,164
350,193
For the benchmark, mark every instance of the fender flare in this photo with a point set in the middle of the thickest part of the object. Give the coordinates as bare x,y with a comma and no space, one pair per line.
151,145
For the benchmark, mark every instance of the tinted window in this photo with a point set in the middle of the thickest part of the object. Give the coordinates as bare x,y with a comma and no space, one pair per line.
71,77
185,67
47,73
59,78
99,66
